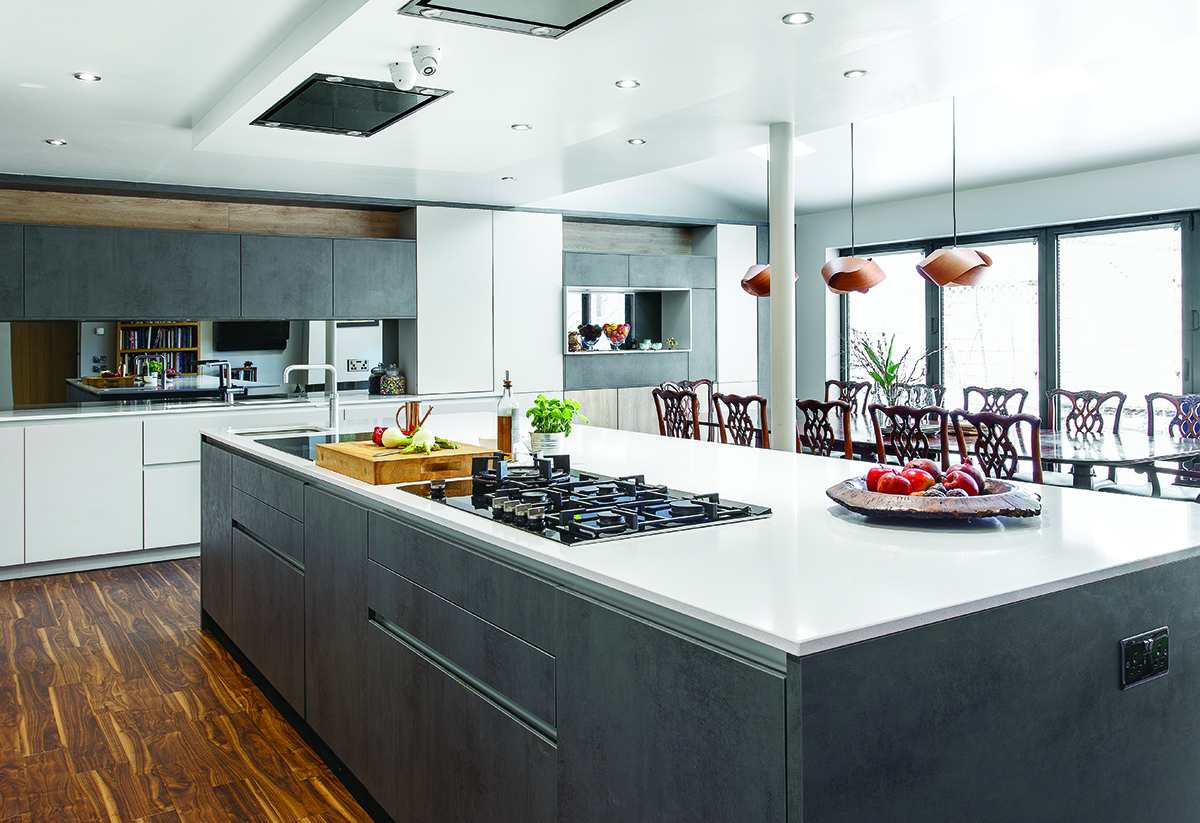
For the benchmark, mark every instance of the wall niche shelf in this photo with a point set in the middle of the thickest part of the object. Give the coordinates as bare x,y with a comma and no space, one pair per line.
653,314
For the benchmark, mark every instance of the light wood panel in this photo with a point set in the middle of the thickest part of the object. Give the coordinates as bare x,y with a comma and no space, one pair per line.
115,706
622,239
127,211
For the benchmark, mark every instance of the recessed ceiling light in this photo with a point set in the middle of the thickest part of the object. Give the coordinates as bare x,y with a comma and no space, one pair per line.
520,127
637,141
427,92
627,84
87,77
354,133
334,79
798,18
426,12
541,31
854,74
508,179
271,125
56,142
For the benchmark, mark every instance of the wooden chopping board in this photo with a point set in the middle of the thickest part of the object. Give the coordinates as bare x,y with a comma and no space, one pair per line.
361,461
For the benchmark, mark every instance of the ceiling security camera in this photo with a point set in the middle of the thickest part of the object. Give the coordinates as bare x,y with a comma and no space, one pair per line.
425,58
404,75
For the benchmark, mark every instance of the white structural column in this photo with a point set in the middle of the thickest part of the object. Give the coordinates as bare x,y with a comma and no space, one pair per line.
782,399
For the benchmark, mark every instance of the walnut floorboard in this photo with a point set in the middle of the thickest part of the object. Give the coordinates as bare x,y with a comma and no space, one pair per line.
115,707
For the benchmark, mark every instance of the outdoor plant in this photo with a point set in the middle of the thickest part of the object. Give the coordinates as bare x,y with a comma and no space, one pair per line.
553,415
877,358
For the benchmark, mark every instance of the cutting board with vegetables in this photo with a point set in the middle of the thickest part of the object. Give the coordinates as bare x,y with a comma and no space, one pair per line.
377,465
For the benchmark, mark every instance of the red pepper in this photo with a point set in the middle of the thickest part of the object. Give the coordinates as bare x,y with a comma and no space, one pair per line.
377,435
408,432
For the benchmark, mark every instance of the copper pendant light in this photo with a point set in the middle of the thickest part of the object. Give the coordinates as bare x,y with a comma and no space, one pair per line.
758,280
846,274
953,266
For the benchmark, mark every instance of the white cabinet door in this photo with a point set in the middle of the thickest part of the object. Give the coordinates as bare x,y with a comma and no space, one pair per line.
83,489
172,505
737,312
527,261
454,300
12,496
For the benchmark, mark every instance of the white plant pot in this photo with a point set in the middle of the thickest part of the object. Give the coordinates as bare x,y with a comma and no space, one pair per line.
547,442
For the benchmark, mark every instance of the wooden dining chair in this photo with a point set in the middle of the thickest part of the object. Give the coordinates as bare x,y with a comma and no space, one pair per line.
814,429
1084,410
999,442
743,419
1182,415
677,413
704,390
908,432
997,400
920,394
858,395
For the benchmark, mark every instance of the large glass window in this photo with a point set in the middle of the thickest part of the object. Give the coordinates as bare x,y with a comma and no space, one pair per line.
990,331
896,306
1120,313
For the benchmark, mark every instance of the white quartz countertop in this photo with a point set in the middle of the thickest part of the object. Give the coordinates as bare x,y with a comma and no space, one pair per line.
814,576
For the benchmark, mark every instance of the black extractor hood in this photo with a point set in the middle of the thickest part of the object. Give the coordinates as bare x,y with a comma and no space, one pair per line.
332,104
539,18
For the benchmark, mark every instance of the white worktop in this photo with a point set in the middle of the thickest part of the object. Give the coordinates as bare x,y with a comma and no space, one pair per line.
814,576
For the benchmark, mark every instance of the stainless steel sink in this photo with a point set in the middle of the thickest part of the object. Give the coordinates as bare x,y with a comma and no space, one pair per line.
295,430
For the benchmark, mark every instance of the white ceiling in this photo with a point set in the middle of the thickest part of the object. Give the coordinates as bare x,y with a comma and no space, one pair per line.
1043,87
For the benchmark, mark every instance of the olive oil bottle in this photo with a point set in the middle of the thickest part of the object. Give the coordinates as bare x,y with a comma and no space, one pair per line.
508,430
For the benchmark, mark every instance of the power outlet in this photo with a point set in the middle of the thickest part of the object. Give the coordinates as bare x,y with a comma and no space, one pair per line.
1144,657
356,365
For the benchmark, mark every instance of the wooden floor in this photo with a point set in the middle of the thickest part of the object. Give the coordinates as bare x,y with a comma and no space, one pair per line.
115,706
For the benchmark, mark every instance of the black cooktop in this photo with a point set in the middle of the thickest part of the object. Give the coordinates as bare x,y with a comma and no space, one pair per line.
550,498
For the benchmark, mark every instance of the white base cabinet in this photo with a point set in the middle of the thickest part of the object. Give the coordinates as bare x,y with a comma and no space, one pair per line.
83,489
171,500
12,497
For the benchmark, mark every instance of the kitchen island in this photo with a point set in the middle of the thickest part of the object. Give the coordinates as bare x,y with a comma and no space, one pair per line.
184,387
809,666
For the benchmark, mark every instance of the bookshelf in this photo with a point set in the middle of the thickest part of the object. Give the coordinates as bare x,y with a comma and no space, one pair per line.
180,342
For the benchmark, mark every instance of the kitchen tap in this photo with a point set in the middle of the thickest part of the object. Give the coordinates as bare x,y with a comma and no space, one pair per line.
224,375
330,386
162,361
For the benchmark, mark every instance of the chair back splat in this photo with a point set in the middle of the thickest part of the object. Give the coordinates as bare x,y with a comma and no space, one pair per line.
704,401
677,413
1184,422
1084,413
907,433
743,419
858,395
997,400
999,441
815,431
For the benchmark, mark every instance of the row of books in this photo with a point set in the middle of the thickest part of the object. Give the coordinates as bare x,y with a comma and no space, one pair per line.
183,362
162,337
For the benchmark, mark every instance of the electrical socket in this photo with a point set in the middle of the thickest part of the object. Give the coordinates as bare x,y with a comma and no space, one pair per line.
356,365
1144,657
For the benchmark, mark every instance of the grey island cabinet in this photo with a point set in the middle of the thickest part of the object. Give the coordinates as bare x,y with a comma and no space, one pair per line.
809,667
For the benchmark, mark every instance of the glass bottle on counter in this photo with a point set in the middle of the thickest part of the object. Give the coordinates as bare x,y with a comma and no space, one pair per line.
508,419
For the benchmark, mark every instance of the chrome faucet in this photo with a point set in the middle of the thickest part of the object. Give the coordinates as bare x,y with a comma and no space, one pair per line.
330,386
158,357
224,375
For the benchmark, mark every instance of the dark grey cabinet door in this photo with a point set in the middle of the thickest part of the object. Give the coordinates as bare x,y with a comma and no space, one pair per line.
672,270
335,625
216,559
442,752
12,272
591,269
652,726
622,371
702,361
374,279
285,277
98,273
268,615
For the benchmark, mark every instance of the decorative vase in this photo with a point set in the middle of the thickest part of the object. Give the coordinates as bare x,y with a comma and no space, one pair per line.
547,442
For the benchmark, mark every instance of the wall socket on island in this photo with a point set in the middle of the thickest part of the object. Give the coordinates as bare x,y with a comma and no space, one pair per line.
356,365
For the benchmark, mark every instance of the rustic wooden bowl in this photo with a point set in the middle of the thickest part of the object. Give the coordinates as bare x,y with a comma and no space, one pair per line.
1000,499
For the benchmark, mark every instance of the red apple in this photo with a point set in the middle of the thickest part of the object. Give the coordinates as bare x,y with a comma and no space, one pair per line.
895,484
873,477
971,469
961,480
919,478
925,465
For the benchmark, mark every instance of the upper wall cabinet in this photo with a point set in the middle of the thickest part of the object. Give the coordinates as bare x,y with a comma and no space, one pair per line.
672,270
12,273
591,269
74,272
287,277
374,278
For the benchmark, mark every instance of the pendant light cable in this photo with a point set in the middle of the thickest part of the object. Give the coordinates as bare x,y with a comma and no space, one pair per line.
852,247
953,169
